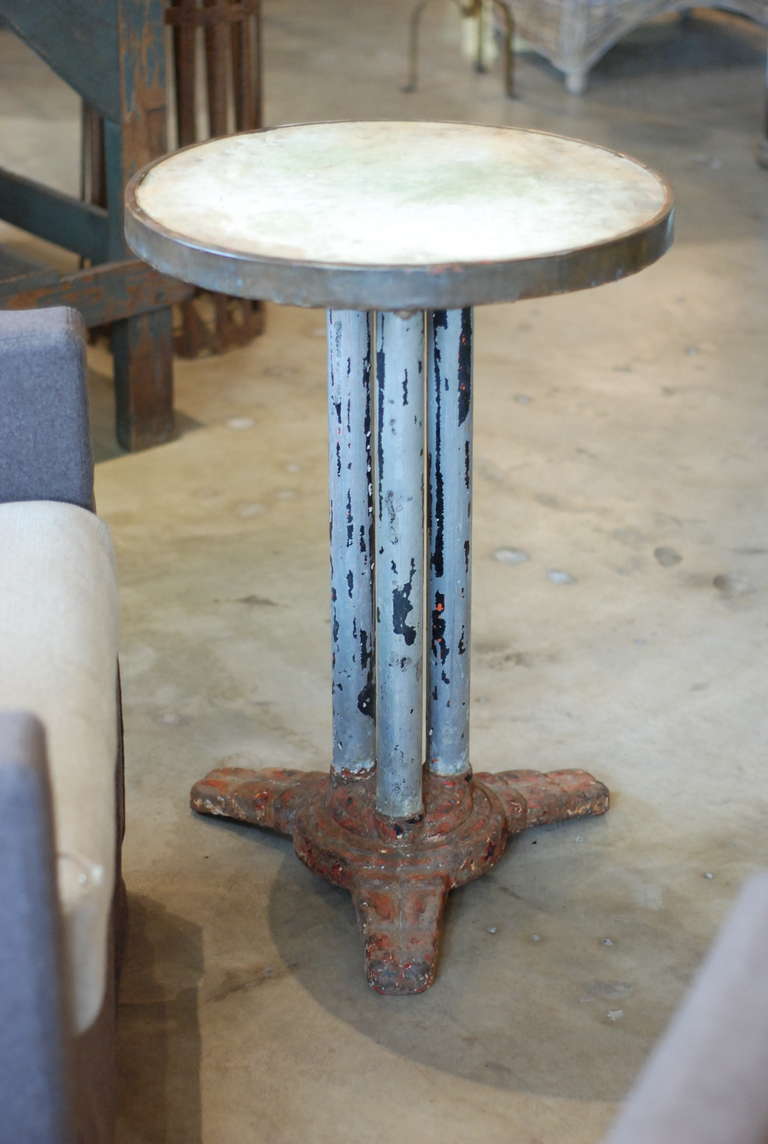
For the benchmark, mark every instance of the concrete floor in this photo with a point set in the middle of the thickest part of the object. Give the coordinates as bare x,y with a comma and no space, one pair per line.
610,425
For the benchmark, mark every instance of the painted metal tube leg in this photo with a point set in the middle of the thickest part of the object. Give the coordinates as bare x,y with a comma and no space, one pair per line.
398,836
399,563
350,477
508,22
449,499
480,32
412,82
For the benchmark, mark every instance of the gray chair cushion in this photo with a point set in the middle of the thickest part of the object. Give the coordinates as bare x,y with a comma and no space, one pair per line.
33,1034
44,440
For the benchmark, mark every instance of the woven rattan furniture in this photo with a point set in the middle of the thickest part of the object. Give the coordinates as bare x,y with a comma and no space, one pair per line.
574,34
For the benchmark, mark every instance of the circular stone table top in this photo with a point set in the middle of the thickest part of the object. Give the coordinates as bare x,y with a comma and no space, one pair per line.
392,216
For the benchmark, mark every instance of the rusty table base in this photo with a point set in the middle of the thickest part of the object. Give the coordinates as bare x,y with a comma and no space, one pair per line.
399,872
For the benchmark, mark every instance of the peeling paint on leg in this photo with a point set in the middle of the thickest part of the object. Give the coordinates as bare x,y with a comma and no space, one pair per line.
351,532
400,543
449,435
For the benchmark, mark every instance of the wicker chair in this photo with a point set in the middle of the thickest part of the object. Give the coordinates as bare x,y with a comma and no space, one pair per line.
574,34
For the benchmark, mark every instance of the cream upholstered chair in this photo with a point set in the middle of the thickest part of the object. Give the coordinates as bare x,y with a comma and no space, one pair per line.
60,747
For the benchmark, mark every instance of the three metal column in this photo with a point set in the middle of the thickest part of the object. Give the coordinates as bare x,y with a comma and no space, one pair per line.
378,686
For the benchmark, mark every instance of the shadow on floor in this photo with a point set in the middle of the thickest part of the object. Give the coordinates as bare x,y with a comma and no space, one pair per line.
158,1053
101,404
676,47
553,980
691,45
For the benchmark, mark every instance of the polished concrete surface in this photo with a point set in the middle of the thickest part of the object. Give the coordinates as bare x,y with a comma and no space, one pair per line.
621,441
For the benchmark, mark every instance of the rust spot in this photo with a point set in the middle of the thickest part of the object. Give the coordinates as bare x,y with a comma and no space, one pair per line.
399,872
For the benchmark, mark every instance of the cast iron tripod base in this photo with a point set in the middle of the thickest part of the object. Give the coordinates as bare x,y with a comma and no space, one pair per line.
399,872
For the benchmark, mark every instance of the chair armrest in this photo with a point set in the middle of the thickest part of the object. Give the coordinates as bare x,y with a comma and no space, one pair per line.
45,451
34,1046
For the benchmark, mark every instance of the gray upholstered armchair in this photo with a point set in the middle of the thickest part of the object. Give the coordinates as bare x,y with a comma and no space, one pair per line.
60,747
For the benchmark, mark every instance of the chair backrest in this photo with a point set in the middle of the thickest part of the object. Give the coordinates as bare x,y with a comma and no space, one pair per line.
45,451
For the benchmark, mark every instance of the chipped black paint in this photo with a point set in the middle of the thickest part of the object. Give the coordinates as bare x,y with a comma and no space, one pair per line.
380,375
350,583
366,651
439,647
402,607
465,366
391,509
436,492
367,427
366,699
350,522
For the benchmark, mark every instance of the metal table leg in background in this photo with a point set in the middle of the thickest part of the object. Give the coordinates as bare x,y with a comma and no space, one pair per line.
399,834
474,9
762,144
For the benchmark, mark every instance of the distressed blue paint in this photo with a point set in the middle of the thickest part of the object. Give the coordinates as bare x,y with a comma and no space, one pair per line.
449,499
78,39
143,49
351,517
400,563
54,216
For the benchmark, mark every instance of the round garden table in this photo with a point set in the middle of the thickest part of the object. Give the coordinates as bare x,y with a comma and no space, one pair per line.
398,230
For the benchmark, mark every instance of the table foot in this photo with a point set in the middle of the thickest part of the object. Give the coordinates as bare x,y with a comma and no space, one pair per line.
401,921
399,872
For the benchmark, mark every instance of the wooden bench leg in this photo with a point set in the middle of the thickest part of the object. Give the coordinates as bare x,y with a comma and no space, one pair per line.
142,348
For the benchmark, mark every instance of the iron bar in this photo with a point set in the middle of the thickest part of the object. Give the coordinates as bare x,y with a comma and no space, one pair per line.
449,513
351,529
399,562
